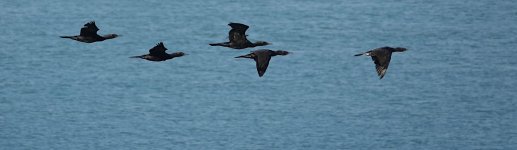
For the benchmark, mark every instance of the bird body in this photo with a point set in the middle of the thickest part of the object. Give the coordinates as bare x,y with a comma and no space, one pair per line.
382,57
89,34
262,58
157,53
237,38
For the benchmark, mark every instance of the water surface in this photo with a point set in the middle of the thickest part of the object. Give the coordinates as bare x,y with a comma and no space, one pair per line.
453,89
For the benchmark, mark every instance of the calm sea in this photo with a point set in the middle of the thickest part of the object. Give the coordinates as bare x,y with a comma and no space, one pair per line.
455,88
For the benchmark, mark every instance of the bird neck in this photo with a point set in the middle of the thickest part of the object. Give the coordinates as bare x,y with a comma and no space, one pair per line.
399,49
279,52
176,54
109,36
260,43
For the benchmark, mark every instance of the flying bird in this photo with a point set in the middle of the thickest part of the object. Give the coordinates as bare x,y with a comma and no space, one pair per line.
262,58
237,38
157,53
381,57
89,34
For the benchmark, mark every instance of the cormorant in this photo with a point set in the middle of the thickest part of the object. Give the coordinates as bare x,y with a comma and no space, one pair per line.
89,34
381,57
237,37
262,58
157,53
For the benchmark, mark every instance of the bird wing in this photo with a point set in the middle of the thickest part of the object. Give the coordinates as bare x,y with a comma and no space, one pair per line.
239,26
237,34
89,29
237,37
158,50
262,61
381,63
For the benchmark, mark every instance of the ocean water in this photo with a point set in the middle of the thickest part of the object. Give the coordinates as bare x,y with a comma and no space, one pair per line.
454,88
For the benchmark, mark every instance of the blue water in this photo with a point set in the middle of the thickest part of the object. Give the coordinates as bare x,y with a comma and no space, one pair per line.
454,88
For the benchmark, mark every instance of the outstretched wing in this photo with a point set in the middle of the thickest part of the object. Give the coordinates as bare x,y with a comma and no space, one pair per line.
381,63
262,61
239,26
89,29
158,50
237,34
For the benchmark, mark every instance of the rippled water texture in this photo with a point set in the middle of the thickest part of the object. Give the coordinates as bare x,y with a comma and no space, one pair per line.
454,88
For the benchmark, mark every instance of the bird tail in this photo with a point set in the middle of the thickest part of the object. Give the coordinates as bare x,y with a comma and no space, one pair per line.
245,56
365,53
359,54
225,44
136,57
68,37
216,44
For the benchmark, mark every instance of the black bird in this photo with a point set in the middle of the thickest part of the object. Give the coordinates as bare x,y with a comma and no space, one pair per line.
262,58
89,34
157,53
381,57
238,40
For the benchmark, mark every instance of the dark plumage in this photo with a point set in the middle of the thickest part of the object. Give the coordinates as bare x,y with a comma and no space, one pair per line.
381,57
237,38
89,34
157,53
262,58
